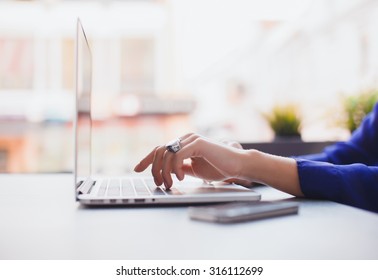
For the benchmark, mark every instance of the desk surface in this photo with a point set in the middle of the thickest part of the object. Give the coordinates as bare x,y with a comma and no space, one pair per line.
40,220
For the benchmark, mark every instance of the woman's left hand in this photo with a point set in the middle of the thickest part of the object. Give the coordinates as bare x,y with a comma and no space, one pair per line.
208,160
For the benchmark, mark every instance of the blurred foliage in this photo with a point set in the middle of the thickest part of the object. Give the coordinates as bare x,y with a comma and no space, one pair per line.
357,106
284,120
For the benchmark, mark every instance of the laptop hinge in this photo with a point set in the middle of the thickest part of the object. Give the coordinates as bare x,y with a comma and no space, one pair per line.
86,186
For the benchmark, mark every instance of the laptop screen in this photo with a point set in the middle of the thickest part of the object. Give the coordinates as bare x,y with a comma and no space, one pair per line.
83,120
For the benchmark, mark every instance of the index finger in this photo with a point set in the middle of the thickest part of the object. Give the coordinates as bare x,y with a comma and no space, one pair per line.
146,161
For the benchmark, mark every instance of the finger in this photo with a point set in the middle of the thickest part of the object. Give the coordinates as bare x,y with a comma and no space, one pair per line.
166,169
157,165
188,135
187,139
177,164
187,170
190,149
233,144
179,169
145,162
240,182
219,156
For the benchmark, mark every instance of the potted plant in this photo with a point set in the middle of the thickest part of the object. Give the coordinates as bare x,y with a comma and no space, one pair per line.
356,107
285,122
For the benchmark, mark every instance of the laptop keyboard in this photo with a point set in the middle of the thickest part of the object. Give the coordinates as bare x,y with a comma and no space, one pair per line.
131,187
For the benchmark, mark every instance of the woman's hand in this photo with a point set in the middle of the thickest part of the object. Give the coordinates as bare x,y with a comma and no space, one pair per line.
217,161
199,157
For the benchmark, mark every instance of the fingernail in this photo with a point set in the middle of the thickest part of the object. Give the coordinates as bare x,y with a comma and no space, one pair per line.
167,186
137,166
157,182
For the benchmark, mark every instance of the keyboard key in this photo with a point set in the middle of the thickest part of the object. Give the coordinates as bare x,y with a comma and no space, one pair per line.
151,184
114,188
102,189
173,191
158,191
140,187
127,188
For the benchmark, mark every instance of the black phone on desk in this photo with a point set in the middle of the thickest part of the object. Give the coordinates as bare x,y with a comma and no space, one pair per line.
242,211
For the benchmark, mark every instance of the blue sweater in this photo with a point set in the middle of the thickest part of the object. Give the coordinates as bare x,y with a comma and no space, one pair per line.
346,172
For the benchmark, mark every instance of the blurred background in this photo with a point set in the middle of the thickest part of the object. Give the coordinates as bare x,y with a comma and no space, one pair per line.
162,68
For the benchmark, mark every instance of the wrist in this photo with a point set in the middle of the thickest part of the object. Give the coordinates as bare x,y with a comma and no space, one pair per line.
250,162
278,172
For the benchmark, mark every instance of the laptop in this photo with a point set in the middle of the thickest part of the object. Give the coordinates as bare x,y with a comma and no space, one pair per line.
129,189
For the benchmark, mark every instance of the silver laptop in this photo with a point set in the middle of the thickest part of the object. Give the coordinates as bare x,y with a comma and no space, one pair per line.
130,189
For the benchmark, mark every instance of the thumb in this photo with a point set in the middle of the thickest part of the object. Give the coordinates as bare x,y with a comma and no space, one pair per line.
240,182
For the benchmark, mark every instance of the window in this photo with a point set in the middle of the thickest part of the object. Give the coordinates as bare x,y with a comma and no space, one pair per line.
137,68
16,63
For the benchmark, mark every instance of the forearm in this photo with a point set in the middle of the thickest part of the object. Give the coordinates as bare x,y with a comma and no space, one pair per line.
353,184
278,172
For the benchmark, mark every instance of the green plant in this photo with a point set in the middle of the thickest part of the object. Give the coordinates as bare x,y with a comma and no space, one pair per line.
284,120
356,107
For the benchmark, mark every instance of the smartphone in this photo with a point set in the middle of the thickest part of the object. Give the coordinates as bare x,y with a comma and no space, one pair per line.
243,211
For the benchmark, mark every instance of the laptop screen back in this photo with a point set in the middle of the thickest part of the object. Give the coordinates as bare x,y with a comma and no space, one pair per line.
83,120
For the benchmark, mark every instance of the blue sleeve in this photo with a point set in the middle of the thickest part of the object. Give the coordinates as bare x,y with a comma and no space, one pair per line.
346,172
352,184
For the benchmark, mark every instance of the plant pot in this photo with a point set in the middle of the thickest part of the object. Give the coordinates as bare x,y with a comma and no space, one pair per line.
291,139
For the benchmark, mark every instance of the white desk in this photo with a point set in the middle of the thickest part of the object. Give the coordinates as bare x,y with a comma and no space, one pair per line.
40,219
